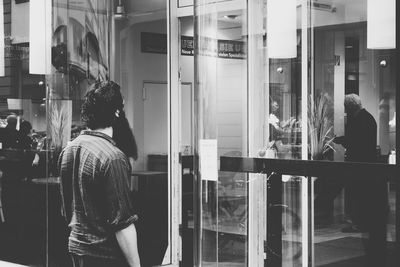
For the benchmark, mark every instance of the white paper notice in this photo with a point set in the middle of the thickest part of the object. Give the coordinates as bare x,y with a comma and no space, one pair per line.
208,159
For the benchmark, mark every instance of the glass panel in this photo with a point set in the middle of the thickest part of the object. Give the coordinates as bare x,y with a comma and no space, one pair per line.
284,221
276,79
346,64
80,56
278,91
221,82
140,66
22,163
23,124
352,118
188,103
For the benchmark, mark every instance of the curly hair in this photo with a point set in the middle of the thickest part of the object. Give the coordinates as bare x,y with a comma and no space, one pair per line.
100,105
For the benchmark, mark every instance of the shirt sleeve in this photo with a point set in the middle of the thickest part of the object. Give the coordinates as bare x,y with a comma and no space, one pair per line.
119,209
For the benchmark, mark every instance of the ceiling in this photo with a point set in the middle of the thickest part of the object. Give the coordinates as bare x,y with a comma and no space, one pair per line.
346,11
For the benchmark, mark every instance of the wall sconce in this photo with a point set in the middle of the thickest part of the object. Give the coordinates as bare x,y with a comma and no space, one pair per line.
120,11
381,24
281,29
383,63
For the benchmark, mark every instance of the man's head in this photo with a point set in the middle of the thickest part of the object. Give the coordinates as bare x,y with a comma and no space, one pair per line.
274,106
352,104
12,121
102,104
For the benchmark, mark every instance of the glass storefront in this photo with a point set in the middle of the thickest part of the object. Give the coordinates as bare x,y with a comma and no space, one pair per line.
52,56
265,129
297,104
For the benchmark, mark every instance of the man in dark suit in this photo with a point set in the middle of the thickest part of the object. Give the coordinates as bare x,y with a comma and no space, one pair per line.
360,133
368,195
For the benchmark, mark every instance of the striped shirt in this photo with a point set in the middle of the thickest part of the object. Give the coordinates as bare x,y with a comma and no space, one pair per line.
95,194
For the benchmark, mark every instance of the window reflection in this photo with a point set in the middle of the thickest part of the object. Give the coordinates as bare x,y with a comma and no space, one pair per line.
22,130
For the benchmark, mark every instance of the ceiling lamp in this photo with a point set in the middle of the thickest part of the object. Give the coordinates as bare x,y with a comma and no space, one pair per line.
281,29
120,11
381,24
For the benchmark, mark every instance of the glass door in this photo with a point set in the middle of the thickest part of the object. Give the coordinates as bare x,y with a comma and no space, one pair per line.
220,84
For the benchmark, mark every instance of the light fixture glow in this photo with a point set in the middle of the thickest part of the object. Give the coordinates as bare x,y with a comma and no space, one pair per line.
392,122
281,29
40,36
381,24
231,17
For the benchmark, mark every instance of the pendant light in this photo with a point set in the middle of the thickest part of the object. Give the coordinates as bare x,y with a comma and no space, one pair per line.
281,29
40,36
381,24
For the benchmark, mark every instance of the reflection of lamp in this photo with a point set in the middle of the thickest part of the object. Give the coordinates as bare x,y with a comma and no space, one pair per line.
120,12
392,122
40,24
281,29
381,25
231,17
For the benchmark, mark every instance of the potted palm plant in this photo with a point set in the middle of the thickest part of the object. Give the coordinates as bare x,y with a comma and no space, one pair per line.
320,127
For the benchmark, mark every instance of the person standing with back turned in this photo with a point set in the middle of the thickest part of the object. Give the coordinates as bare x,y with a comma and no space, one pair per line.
369,199
94,187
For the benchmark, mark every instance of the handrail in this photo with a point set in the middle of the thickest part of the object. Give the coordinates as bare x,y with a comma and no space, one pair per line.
310,168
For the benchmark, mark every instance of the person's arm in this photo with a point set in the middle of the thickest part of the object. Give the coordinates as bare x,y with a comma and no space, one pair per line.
127,240
119,209
340,140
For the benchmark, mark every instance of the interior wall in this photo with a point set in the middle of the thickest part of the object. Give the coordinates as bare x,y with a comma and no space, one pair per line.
231,110
135,68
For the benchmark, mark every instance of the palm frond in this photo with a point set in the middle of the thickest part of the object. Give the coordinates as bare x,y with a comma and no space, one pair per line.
320,127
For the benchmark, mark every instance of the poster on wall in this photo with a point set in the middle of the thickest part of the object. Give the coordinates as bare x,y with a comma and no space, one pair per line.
208,159
153,43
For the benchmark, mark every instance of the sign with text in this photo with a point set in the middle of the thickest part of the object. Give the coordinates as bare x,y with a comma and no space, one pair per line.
208,159
231,49
214,48
187,46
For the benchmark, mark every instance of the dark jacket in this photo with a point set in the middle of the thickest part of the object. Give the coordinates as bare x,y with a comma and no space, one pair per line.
360,137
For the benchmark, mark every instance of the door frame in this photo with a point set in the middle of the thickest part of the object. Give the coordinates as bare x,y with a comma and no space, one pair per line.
174,131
